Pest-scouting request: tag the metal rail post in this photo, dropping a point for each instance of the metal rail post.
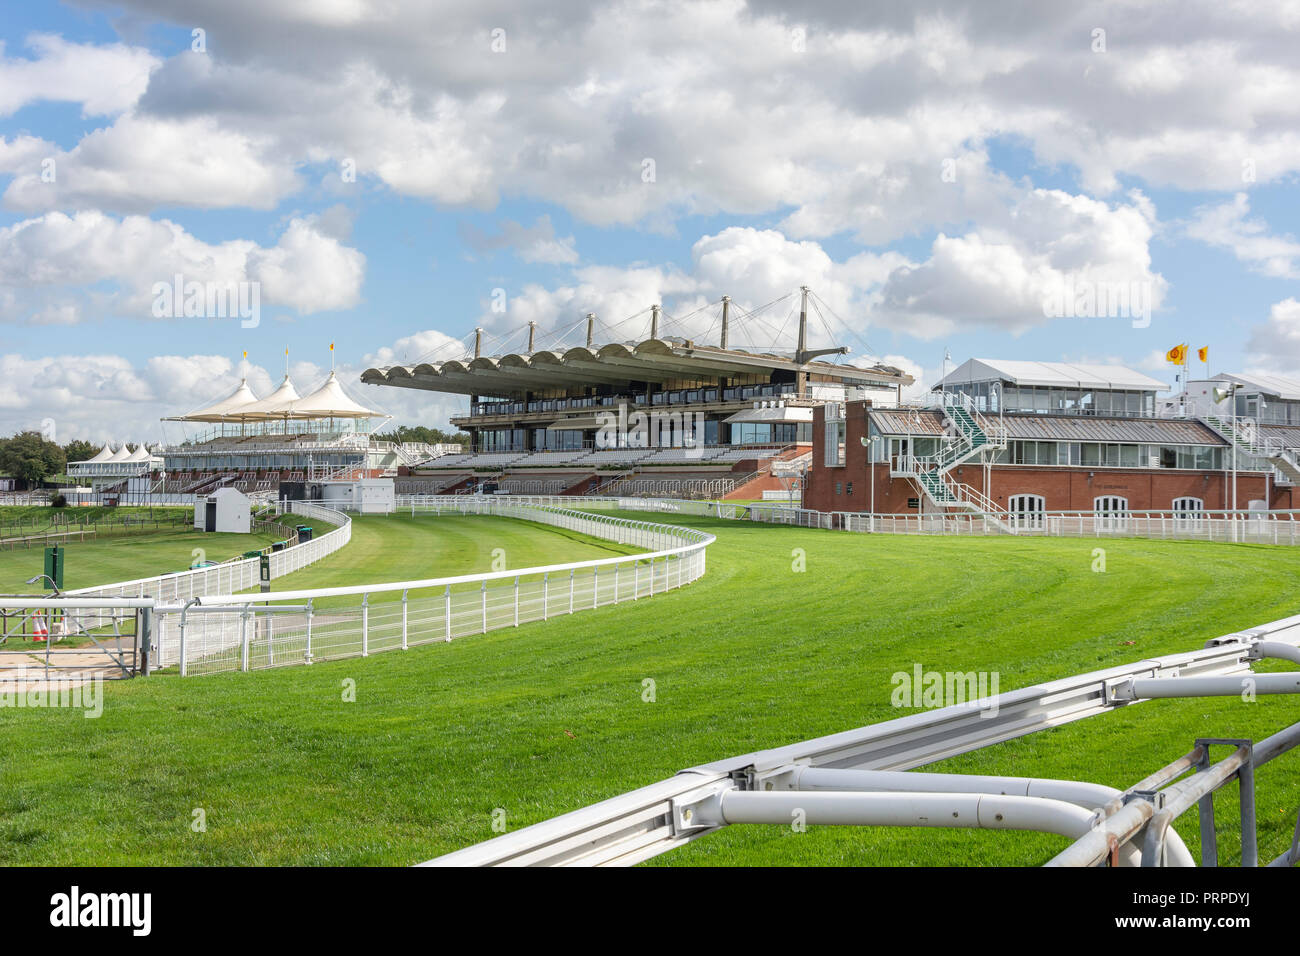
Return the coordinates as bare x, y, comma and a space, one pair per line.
365, 625
404, 593
446, 599
307, 652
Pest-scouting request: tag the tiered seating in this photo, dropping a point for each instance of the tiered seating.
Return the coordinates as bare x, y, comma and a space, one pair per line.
544, 458
642, 485
615, 456
428, 485
533, 486
446, 461
674, 456
741, 453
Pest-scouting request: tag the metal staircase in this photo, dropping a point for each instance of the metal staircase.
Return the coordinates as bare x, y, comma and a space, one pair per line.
970, 434
1242, 433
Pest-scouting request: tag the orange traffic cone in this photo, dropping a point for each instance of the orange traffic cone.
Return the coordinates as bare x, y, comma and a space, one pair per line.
39, 631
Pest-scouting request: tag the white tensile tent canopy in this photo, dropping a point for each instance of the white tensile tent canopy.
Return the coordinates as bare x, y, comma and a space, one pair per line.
228, 409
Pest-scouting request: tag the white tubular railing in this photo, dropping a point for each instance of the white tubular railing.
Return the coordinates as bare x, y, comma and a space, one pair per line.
1245, 526
228, 631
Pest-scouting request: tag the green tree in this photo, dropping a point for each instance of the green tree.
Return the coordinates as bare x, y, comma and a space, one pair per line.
30, 458
433, 436
79, 450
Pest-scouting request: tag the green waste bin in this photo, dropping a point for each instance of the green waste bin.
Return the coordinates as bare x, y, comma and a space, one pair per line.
279, 545
304, 532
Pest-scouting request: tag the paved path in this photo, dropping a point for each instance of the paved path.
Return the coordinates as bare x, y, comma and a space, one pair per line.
24, 669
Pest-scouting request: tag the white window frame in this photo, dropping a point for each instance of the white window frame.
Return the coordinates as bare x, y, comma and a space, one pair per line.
834, 428
1189, 512
1110, 512
1027, 511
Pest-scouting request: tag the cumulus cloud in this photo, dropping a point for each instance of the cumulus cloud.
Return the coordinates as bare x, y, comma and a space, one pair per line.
1226, 226
51, 254
842, 117
103, 79
1275, 344
1052, 248
1050, 245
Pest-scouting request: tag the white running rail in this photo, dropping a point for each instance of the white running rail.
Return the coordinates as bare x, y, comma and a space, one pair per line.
229, 631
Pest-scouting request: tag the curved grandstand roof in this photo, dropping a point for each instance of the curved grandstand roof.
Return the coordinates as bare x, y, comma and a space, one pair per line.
654, 360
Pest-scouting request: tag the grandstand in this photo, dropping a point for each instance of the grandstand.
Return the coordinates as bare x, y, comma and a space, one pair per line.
253, 445
664, 415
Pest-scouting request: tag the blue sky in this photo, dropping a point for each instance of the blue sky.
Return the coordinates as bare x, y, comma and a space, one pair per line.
811, 145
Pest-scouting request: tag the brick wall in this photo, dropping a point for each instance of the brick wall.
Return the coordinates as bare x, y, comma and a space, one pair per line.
1064, 488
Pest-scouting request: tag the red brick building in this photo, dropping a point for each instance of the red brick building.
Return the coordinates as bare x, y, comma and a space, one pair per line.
848, 487
977, 452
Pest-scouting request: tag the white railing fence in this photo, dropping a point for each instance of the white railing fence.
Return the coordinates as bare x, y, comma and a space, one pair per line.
227, 632
237, 575
1241, 526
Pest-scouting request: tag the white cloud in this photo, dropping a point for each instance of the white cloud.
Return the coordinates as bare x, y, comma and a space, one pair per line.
851, 133
1052, 245
56, 253
1275, 344
104, 80
139, 163
1227, 227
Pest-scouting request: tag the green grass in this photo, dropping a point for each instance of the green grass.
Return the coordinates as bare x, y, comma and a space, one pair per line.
126, 558
548, 718
399, 548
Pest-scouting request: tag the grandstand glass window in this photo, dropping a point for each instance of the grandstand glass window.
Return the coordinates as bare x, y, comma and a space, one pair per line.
833, 435
1027, 511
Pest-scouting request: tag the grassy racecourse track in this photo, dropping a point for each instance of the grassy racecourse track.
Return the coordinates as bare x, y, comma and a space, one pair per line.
126, 555
550, 717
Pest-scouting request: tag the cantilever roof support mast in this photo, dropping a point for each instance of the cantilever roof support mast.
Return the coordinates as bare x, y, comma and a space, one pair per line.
654, 321
532, 333
726, 315
802, 353
478, 342
591, 329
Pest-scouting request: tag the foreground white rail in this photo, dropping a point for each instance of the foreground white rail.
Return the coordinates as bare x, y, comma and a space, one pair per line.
229, 631
755, 787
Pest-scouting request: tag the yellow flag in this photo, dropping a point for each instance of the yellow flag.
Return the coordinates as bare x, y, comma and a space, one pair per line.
1177, 355
245, 353
331, 346
1203, 353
